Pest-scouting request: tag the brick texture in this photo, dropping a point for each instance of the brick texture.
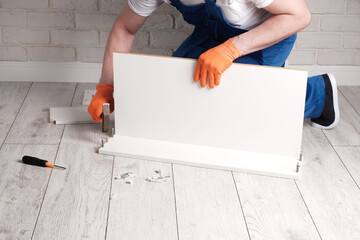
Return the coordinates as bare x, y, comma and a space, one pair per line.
181, 24
159, 21
166, 8
89, 5
51, 54
12, 19
12, 53
20, 35
90, 54
142, 39
339, 58
77, 30
104, 37
302, 58
112, 6
97, 21
340, 24
353, 7
24, 4
167, 39
75, 37
326, 6
318, 40
50, 19
314, 25
352, 41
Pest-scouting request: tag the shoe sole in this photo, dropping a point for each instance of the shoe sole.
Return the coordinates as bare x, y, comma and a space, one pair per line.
335, 104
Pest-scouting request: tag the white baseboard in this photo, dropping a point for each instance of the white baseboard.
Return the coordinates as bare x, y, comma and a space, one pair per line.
90, 72
50, 72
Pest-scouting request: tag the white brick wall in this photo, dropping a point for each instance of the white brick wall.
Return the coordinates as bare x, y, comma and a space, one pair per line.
352, 41
24, 4
112, 6
333, 37
327, 6
338, 57
353, 7
94, 20
77, 30
12, 18
87, 5
340, 24
142, 39
318, 40
103, 37
75, 37
90, 54
51, 54
23, 35
51, 19
170, 39
12, 53
303, 57
158, 21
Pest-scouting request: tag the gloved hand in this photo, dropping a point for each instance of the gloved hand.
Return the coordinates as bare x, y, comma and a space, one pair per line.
212, 63
104, 94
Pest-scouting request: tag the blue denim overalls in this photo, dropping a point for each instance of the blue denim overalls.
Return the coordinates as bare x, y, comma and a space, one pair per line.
212, 29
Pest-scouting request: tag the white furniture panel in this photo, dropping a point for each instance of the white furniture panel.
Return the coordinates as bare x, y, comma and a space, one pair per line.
160, 112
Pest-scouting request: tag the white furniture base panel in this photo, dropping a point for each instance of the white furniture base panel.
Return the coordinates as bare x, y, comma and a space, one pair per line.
252, 122
202, 156
71, 115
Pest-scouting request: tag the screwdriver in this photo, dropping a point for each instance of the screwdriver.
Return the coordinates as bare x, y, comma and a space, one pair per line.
38, 162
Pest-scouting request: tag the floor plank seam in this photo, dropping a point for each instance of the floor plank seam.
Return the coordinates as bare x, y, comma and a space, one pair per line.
176, 215
33, 144
337, 154
12, 124
47, 185
241, 206
42, 202
312, 219
108, 211
349, 102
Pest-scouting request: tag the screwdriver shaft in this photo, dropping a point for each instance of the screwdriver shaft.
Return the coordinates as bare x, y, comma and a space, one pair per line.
59, 166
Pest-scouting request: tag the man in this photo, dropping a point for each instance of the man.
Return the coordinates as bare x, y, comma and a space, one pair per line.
259, 32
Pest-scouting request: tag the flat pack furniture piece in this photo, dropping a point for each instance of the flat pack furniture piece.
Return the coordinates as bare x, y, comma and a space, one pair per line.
75, 115
252, 122
71, 115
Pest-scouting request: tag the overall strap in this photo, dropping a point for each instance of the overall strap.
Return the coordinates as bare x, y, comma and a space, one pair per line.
177, 2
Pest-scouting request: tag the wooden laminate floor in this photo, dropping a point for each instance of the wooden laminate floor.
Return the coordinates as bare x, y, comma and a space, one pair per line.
86, 202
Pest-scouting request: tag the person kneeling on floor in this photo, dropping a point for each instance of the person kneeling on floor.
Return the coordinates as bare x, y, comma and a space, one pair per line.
261, 32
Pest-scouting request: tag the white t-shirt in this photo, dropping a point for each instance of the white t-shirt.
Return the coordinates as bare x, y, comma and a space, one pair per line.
245, 14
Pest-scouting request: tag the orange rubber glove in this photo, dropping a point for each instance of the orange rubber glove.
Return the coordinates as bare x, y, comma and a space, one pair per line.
212, 63
104, 94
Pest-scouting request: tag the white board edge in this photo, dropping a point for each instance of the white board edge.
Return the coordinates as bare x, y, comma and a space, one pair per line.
116, 147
